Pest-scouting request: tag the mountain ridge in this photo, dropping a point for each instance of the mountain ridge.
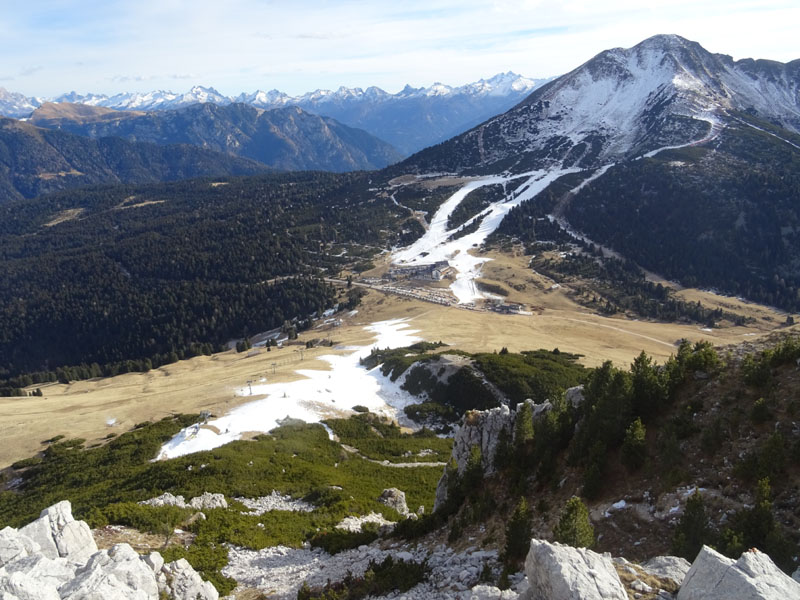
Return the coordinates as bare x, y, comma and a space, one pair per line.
411, 119
35, 161
283, 138
622, 104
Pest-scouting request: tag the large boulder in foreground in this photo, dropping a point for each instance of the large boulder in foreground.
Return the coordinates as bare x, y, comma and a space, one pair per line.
55, 558
58, 535
560, 572
753, 577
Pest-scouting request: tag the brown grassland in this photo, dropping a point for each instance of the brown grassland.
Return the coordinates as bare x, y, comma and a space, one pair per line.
84, 409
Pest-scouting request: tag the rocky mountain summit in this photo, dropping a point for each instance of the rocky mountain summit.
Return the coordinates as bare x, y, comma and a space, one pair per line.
621, 104
55, 558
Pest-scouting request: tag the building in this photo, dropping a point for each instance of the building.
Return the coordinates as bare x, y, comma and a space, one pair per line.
432, 272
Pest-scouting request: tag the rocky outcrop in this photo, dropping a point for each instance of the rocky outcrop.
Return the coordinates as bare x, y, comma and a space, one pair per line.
203, 502
58, 535
396, 499
481, 429
56, 558
559, 572
114, 573
753, 577
181, 582
488, 592
275, 501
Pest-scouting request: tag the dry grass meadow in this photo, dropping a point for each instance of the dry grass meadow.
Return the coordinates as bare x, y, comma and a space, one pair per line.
93, 409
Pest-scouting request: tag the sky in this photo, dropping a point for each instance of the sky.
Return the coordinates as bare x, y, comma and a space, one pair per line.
108, 46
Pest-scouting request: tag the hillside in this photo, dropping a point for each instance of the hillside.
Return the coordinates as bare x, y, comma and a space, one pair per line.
285, 138
35, 161
108, 274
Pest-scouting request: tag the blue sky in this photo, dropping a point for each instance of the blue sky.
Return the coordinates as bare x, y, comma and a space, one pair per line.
53, 46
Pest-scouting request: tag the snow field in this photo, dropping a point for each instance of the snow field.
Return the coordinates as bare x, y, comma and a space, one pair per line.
434, 246
312, 399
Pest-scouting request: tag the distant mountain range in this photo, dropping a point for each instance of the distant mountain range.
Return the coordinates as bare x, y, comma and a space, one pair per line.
35, 161
409, 120
287, 138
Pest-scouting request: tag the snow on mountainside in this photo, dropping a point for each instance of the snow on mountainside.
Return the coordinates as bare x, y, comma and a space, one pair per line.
16, 105
502, 84
410, 119
623, 103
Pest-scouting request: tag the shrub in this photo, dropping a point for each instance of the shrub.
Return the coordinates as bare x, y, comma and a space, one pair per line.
378, 580
338, 540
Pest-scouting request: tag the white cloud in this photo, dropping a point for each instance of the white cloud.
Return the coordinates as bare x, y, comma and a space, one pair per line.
241, 45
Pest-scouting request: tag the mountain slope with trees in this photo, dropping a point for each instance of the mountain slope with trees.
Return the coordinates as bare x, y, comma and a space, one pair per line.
35, 161
285, 138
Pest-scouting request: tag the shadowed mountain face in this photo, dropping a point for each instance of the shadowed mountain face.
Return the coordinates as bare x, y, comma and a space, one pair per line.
285, 138
621, 104
35, 161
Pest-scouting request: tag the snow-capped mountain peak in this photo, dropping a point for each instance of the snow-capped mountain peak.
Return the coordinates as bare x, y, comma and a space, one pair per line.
626, 102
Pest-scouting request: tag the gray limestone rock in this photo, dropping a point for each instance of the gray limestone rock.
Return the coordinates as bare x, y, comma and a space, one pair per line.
488, 592
396, 499
753, 577
481, 429
574, 396
208, 500
559, 572
184, 583
117, 573
59, 535
14, 545
673, 568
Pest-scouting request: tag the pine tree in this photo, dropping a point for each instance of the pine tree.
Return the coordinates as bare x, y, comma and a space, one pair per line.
693, 529
518, 534
574, 527
634, 446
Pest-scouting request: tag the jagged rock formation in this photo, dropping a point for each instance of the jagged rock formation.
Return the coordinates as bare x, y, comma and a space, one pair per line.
55, 558
559, 572
753, 577
484, 429
481, 429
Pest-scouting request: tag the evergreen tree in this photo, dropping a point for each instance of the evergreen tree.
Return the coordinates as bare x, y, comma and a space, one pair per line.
523, 425
518, 534
634, 446
574, 527
693, 529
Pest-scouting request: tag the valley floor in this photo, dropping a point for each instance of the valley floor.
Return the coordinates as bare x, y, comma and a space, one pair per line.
95, 408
